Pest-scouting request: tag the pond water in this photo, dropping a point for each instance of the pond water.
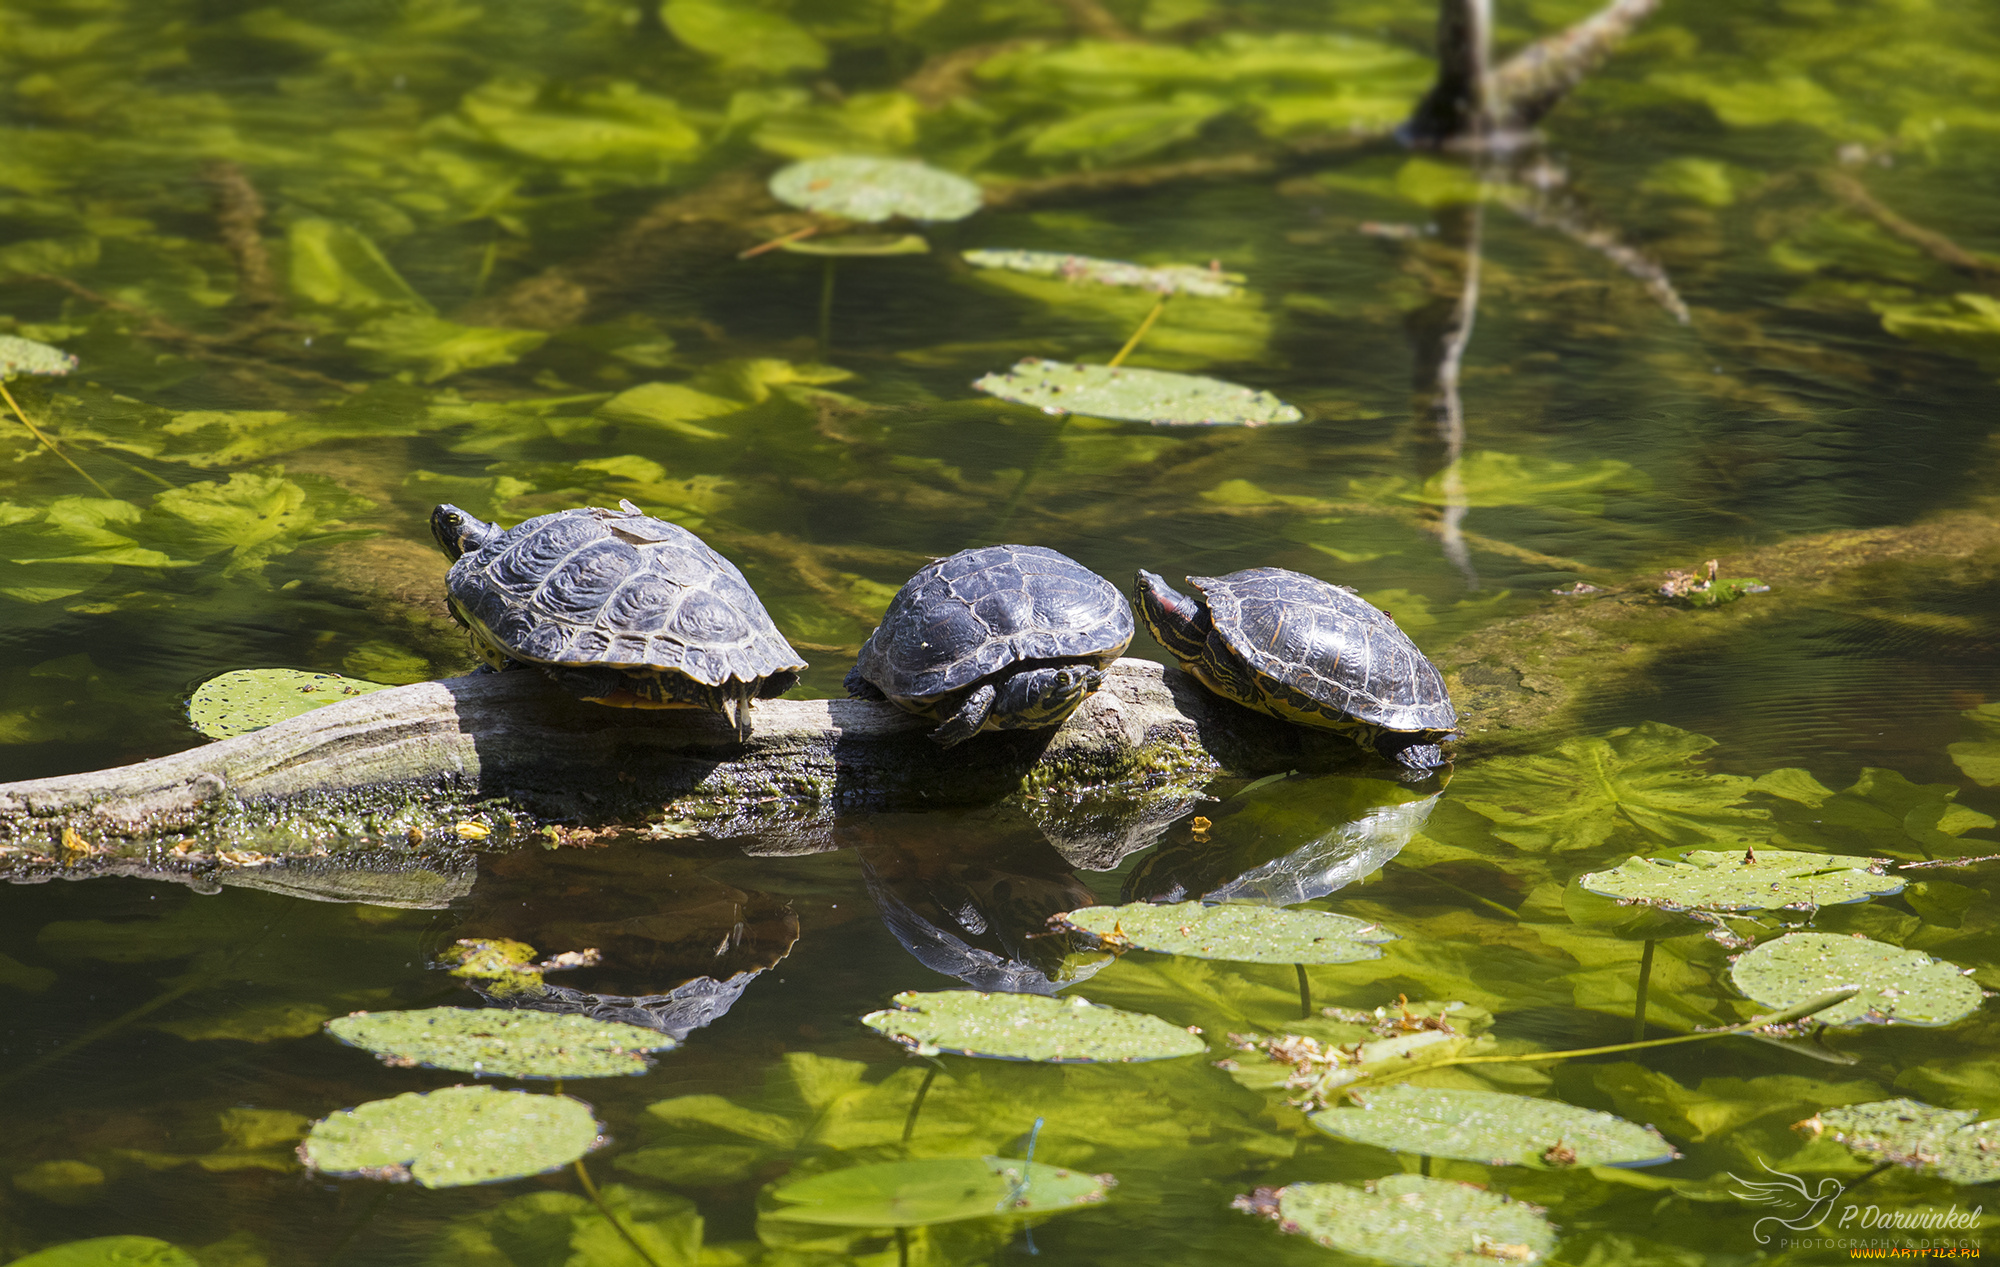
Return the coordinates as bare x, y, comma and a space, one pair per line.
325, 266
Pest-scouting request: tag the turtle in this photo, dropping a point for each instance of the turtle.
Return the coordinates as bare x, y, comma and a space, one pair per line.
1301, 649
618, 607
999, 638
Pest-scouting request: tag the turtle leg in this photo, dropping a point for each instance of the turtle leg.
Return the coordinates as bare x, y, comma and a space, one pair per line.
739, 712
859, 687
1410, 750
1035, 698
968, 721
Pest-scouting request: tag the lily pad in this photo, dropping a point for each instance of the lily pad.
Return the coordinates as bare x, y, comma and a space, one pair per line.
1905, 987
503, 1042
25, 356
1239, 933
1493, 1128
110, 1251
1133, 395
1950, 1143
1410, 1220
243, 700
1164, 279
872, 190
942, 1190
861, 244
1980, 758
452, 1137
1725, 880
1069, 1030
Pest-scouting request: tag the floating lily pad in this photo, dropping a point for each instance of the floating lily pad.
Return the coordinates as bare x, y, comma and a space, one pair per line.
503, 1042
1239, 933
452, 1137
1950, 1143
110, 1251
1727, 880
25, 356
1164, 279
1129, 395
1492, 1127
243, 700
1069, 1030
872, 190
943, 1190
861, 244
1411, 1221
1898, 986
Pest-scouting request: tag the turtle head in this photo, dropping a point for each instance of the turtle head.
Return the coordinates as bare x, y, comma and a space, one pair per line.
1178, 622
458, 533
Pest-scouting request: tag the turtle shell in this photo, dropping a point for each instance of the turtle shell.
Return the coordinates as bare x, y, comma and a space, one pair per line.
617, 589
978, 612
1302, 637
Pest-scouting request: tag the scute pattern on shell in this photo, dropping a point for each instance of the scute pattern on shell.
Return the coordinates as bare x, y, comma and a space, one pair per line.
1327, 643
973, 614
604, 587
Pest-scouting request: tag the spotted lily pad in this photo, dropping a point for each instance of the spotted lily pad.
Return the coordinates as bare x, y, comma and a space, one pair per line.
1411, 1221
1236, 932
503, 1042
1492, 1127
860, 244
452, 1137
940, 1190
1069, 1030
1950, 1143
1164, 279
243, 700
872, 190
1898, 986
1726, 880
1131, 395
25, 356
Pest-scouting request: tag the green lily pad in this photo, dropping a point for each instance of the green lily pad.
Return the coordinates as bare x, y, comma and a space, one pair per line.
503, 1042
1132, 395
110, 1251
1725, 880
861, 244
452, 1137
1236, 932
1905, 987
1950, 1143
243, 700
25, 356
1164, 279
1411, 1221
1493, 1128
942, 1190
1069, 1030
1980, 758
872, 190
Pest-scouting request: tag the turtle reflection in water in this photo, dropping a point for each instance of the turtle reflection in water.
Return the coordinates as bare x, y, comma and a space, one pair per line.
1299, 649
618, 607
1000, 638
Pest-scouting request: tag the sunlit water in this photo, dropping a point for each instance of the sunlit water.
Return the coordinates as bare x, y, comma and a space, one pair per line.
1602, 439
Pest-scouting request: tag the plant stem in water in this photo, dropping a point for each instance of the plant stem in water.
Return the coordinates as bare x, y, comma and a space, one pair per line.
826, 310
1140, 333
366, 1216
36, 432
916, 1105
1645, 979
1305, 993
111, 1026
590, 1189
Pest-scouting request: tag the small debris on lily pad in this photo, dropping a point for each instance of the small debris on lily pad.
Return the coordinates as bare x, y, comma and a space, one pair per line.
502, 1042
1409, 1220
1134, 395
941, 1190
1493, 1128
452, 1137
26, 356
1749, 880
1710, 590
244, 700
1952, 1144
1897, 986
1163, 279
1069, 1030
1235, 932
872, 190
